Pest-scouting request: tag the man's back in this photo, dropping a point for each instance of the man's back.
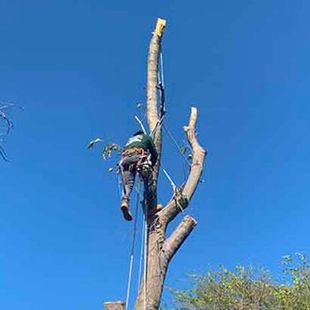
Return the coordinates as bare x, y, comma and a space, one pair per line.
145, 142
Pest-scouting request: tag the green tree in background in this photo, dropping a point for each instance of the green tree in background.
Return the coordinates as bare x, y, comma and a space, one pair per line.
248, 289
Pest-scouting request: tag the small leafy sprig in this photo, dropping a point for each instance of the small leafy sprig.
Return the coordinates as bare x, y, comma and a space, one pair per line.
108, 150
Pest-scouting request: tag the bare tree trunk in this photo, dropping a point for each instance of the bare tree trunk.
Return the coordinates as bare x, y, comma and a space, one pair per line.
162, 248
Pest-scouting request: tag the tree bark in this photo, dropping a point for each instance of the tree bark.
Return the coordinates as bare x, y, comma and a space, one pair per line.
160, 248
115, 305
153, 117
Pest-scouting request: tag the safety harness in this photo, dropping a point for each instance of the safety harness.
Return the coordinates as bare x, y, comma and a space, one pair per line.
144, 164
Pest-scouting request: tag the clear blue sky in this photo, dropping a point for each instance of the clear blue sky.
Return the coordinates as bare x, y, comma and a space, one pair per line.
78, 68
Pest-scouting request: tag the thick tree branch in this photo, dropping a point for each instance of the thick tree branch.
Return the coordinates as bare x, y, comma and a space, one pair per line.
181, 198
198, 156
174, 242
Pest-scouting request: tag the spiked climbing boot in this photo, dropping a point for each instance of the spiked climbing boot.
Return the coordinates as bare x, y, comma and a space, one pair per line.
159, 208
156, 209
125, 209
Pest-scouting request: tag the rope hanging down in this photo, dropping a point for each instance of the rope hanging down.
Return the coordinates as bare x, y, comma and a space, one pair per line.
161, 85
143, 249
132, 249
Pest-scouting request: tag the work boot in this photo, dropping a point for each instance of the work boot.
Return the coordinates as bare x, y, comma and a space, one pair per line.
159, 208
156, 209
125, 210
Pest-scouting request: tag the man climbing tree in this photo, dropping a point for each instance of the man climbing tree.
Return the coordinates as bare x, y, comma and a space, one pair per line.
159, 247
139, 155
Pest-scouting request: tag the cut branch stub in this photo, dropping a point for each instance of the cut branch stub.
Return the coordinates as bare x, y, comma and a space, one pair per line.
115, 305
160, 26
198, 156
179, 235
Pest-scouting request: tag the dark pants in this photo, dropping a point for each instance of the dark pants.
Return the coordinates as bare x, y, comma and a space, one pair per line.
128, 170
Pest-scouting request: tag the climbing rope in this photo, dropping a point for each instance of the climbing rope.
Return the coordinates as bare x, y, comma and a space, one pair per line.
145, 245
141, 255
132, 249
162, 67
143, 248
161, 84
173, 139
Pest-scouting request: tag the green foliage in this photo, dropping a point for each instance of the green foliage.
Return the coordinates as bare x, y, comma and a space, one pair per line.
109, 149
249, 289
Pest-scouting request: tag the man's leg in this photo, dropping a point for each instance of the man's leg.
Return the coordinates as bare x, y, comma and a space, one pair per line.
128, 173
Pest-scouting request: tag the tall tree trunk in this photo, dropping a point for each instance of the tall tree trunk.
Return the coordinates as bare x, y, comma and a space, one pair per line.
161, 248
